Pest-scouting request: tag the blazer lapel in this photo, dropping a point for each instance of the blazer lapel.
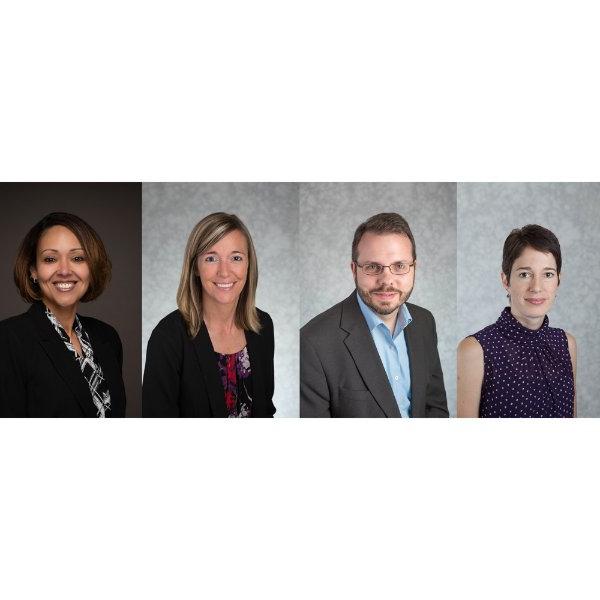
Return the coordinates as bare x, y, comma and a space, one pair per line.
62, 360
210, 372
258, 384
361, 346
418, 360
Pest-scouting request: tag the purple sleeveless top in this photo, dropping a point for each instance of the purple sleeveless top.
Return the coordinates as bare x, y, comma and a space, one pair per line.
526, 373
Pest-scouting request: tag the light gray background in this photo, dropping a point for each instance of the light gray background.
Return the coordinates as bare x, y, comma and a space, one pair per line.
329, 215
487, 212
270, 211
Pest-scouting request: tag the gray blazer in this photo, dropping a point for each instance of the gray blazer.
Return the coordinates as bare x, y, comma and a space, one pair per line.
341, 374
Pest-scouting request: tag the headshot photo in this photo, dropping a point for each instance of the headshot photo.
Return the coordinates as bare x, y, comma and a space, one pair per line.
365, 350
526, 346
70, 330
221, 300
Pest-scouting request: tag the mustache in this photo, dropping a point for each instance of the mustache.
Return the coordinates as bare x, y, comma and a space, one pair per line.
385, 289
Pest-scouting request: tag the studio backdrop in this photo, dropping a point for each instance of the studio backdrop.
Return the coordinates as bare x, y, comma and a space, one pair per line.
329, 215
270, 212
487, 212
114, 211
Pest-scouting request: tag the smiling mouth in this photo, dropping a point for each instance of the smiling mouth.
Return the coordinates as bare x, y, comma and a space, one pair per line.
224, 286
536, 301
64, 286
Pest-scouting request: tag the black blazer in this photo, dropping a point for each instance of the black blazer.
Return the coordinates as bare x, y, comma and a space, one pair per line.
182, 379
39, 376
341, 373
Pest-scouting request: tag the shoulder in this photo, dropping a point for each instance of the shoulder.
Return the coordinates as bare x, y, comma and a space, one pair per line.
419, 313
470, 348
99, 328
572, 343
171, 325
265, 319
324, 322
16, 323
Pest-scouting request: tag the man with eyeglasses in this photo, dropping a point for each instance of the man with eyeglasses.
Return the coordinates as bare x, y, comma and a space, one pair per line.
374, 355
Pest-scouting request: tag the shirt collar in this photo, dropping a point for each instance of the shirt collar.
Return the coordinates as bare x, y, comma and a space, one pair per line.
374, 320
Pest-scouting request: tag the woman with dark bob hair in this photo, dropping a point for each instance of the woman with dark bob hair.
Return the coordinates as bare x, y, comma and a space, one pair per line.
213, 357
519, 366
54, 362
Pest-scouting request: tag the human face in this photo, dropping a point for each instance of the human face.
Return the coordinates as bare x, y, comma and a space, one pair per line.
223, 270
532, 286
384, 293
61, 269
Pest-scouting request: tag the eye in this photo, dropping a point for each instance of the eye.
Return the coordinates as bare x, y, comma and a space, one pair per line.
524, 275
49, 259
237, 258
211, 258
79, 258
549, 274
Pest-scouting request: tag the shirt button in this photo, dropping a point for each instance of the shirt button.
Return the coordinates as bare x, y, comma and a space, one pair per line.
396, 378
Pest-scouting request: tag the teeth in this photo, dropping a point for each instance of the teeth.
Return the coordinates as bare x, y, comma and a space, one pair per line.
224, 285
64, 286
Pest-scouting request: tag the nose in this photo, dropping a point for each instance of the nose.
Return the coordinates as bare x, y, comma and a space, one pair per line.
386, 276
63, 266
535, 284
223, 268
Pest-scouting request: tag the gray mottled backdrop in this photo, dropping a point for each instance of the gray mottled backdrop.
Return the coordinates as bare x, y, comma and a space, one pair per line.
329, 215
270, 211
486, 214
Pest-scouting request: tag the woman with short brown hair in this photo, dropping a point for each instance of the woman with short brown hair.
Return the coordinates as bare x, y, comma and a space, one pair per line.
54, 362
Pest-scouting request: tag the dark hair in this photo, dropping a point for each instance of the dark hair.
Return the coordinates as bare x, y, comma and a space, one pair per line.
380, 224
534, 236
95, 252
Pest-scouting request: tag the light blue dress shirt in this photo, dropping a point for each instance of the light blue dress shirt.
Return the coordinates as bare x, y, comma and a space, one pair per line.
393, 352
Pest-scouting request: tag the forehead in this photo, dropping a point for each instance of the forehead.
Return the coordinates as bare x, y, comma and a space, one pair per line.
392, 247
530, 257
234, 241
58, 236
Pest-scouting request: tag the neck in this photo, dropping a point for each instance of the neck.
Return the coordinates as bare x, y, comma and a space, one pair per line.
529, 322
64, 315
219, 316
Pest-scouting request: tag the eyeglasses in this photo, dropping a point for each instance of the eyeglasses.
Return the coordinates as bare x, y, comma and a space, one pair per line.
398, 268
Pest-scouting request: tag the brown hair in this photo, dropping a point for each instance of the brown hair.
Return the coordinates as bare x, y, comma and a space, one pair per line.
380, 224
206, 234
95, 252
537, 237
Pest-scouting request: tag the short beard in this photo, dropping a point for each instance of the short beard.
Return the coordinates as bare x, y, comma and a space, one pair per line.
366, 298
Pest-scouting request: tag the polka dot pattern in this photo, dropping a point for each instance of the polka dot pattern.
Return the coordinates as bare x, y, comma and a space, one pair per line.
526, 373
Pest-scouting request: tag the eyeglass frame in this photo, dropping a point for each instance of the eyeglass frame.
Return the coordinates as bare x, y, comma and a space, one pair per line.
409, 265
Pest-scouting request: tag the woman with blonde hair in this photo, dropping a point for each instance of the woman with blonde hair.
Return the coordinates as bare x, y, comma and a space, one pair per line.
213, 357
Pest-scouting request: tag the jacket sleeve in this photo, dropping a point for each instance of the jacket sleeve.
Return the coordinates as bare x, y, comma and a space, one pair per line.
314, 391
162, 376
13, 379
437, 405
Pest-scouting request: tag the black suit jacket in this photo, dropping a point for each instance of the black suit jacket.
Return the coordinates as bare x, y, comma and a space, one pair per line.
341, 374
181, 377
39, 376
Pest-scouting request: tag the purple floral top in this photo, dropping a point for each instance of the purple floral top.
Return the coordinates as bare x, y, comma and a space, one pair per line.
237, 382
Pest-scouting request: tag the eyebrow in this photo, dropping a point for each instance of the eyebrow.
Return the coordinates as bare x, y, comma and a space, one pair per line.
530, 269
232, 252
54, 250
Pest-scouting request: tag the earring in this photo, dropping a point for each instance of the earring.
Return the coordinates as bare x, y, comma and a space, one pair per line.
34, 279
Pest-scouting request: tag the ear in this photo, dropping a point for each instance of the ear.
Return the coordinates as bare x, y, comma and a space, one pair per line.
353, 268
33, 273
504, 281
